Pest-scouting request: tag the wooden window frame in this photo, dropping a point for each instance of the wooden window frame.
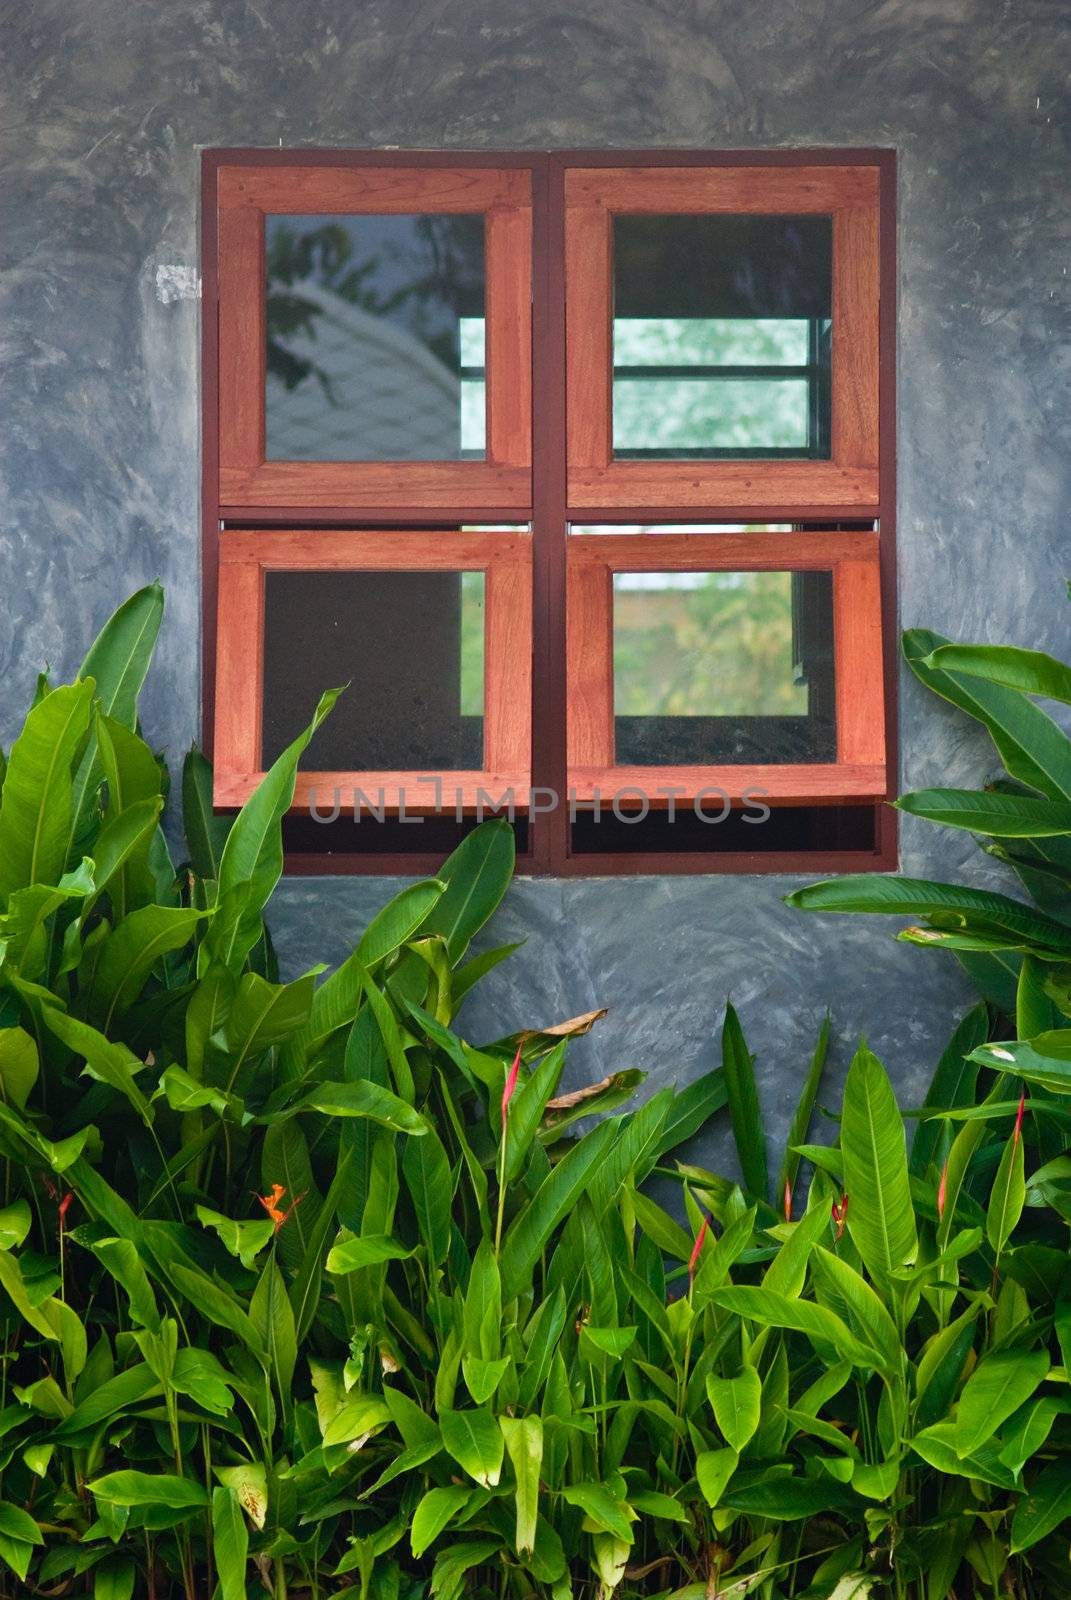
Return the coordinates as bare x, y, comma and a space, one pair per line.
858, 773
550, 507
505, 559
245, 196
848, 194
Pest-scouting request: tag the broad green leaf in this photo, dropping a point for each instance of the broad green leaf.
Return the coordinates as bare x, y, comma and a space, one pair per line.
285, 1160
437, 1509
949, 906
845, 1291
198, 1374
529, 1234
713, 1469
184, 1093
114, 1579
398, 921
476, 876
18, 1066
737, 1403
952, 1085
14, 1224
272, 1316
364, 1099
121, 1258
881, 1218
230, 1543
938, 1446
130, 953
602, 1506
999, 1386
119, 657
244, 1239
429, 1180
357, 1419
112, 1064
116, 1397
252, 860
129, 1488
51, 1318
1046, 1505
475, 1441
744, 1110
18, 1524
1004, 816
36, 808
121, 854
527, 1106
1045, 1060
368, 1251
1031, 745
482, 1378
265, 1014
1028, 671
801, 1120
206, 833
787, 1499
823, 1327
1007, 1196
451, 1565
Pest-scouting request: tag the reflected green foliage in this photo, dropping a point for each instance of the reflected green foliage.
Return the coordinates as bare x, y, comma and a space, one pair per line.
705, 644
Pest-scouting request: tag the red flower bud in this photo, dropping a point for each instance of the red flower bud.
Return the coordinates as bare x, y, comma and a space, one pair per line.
788, 1201
839, 1214
942, 1193
511, 1083
694, 1258
1019, 1119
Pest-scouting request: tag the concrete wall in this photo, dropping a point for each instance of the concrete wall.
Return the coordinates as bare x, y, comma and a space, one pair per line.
106, 104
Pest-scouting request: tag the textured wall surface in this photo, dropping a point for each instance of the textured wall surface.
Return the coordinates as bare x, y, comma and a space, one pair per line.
106, 105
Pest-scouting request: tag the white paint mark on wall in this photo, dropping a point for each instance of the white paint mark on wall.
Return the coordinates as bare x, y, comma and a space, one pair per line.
175, 282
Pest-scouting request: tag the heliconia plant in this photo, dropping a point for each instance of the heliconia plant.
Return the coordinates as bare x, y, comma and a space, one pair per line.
304, 1293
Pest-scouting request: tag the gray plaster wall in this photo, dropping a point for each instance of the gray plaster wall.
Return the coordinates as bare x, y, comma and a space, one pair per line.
104, 108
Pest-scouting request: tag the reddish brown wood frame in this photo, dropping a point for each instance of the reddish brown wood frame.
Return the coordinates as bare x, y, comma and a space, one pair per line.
593, 198
505, 559
246, 194
550, 507
859, 770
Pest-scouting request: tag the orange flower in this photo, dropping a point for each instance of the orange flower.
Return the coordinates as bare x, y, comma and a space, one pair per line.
270, 1202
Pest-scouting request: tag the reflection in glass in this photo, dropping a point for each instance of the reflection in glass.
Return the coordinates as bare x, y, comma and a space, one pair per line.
375, 338
410, 645
713, 667
722, 333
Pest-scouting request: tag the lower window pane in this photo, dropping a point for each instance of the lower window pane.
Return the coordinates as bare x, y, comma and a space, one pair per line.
411, 647
723, 667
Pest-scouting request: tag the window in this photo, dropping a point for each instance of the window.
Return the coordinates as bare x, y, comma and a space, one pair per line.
579, 470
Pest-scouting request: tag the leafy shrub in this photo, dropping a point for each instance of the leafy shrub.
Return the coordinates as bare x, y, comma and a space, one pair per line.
303, 1293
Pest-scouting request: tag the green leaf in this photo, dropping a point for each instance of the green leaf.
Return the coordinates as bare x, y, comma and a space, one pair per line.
476, 876
744, 1110
1028, 671
249, 1480
119, 657
801, 1121
36, 807
429, 1180
114, 1579
206, 833
603, 1507
271, 1314
475, 1441
737, 1403
112, 1064
368, 1251
252, 860
1031, 745
230, 1543
952, 1085
1043, 1508
14, 1224
18, 1524
121, 1259
713, 1469
18, 1066
265, 1014
827, 1332
527, 1107
121, 853
398, 921
198, 1374
881, 1218
1004, 816
244, 1239
937, 1445
437, 1510
787, 1499
130, 953
1007, 1196
128, 1488
529, 1234
1045, 1060
115, 1397
364, 1099
949, 905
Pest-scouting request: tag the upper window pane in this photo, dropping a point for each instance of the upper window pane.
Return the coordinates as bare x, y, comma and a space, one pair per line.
375, 338
722, 334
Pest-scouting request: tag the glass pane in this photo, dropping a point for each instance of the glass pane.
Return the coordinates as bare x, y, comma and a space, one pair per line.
411, 647
722, 333
713, 667
375, 338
